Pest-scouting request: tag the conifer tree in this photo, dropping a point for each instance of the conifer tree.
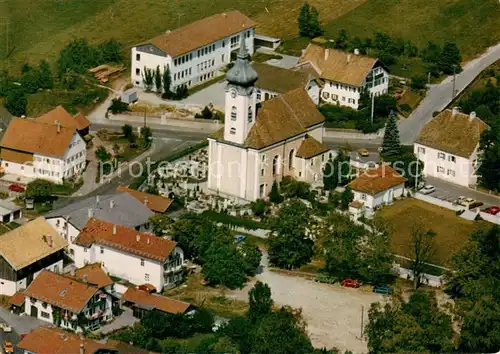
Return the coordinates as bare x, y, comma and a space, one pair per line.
391, 146
275, 196
158, 80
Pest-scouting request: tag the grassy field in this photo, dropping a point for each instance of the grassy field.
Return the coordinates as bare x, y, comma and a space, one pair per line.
451, 231
472, 24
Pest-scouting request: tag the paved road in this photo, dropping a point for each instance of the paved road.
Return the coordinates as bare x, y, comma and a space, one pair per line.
19, 324
439, 96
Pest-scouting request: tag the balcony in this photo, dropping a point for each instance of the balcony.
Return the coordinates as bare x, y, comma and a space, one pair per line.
101, 301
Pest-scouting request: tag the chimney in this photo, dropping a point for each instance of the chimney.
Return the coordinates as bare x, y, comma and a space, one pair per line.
327, 52
111, 204
114, 229
454, 111
147, 240
138, 238
85, 278
49, 240
90, 213
356, 51
472, 115
58, 126
348, 58
82, 349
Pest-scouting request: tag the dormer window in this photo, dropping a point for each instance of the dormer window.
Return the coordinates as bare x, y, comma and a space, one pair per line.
250, 115
233, 113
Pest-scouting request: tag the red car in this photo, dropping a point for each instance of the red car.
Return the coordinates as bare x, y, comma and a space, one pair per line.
350, 283
16, 188
494, 210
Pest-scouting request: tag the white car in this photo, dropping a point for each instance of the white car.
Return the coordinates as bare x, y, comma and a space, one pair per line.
428, 189
5, 327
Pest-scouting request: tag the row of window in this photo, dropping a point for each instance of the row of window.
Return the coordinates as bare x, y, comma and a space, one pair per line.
234, 114
235, 40
345, 87
291, 161
267, 95
77, 142
204, 65
440, 155
326, 95
208, 49
74, 157
449, 172
184, 59
48, 161
380, 81
180, 75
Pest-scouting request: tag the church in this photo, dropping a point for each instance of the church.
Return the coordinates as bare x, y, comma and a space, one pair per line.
264, 142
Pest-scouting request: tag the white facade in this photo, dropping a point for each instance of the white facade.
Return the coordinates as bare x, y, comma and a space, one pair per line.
64, 228
377, 83
98, 309
53, 168
313, 89
190, 68
385, 197
446, 166
135, 269
9, 287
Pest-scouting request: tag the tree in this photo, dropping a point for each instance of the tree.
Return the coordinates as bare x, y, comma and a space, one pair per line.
342, 40
308, 21
167, 81
39, 190
102, 154
16, 102
69, 79
147, 136
110, 51
223, 265
290, 245
346, 198
194, 233
391, 146
260, 302
432, 52
158, 80
489, 158
45, 79
148, 78
259, 207
160, 224
450, 59
418, 82
118, 106
337, 172
274, 196
422, 246
127, 130
252, 256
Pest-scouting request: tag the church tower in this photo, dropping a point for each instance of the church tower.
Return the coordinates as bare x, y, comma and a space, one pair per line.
240, 110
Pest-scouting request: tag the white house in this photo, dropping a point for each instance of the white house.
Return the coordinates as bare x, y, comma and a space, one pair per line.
263, 143
346, 74
195, 52
38, 150
274, 81
63, 300
118, 208
375, 187
448, 146
134, 256
27, 250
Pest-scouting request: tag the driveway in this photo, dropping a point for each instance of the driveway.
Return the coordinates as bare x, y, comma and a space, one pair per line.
332, 313
439, 96
126, 319
19, 324
286, 62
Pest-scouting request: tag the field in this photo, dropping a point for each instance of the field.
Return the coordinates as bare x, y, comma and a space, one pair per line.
473, 24
451, 231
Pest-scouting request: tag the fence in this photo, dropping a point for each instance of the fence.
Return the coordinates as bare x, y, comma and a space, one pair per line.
439, 202
427, 279
351, 134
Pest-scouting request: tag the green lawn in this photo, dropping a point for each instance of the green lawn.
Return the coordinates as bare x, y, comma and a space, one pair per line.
472, 24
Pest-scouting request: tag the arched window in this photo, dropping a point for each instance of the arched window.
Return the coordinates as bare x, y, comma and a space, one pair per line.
250, 115
276, 165
291, 158
233, 113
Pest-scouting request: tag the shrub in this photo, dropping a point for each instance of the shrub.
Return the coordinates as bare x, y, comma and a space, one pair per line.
418, 82
405, 107
117, 106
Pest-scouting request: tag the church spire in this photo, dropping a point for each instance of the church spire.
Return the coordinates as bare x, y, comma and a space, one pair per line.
242, 73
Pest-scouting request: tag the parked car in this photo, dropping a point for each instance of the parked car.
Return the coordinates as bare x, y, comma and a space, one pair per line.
428, 189
363, 152
382, 289
350, 283
325, 278
16, 188
5, 327
8, 347
469, 203
493, 210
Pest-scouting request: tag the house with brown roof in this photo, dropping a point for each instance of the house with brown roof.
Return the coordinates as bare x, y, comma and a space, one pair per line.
345, 74
78, 122
47, 340
26, 251
448, 146
260, 144
142, 301
377, 186
274, 81
67, 301
156, 203
195, 52
129, 254
42, 148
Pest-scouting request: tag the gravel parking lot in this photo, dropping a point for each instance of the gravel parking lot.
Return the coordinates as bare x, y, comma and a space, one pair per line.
332, 313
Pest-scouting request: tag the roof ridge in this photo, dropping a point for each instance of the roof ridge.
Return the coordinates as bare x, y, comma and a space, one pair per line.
290, 108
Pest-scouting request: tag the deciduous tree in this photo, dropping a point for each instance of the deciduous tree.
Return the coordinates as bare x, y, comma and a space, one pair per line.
489, 159
260, 302
223, 265
160, 224
422, 246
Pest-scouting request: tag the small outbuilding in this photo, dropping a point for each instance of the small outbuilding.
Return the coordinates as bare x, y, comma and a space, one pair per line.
129, 96
9, 211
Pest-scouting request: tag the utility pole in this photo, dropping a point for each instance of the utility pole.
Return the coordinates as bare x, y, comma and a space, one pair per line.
373, 97
145, 110
454, 79
429, 78
362, 320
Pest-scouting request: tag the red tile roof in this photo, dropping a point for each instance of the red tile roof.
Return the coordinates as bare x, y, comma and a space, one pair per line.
17, 299
376, 180
155, 203
125, 239
94, 274
155, 301
77, 122
61, 291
